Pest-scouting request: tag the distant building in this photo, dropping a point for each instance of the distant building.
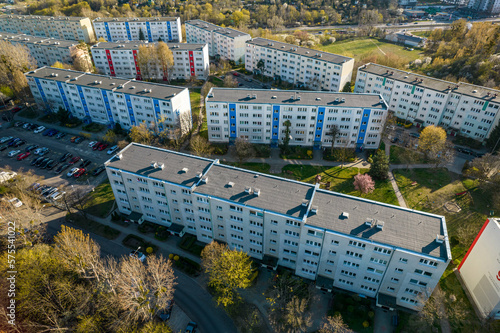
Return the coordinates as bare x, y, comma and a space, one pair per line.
480, 270
62, 27
225, 43
414, 14
491, 7
109, 100
302, 66
120, 59
46, 51
406, 39
408, 3
118, 29
258, 115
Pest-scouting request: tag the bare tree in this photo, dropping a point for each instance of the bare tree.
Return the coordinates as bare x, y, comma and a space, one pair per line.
200, 146
78, 199
335, 324
484, 167
243, 150
165, 58
230, 82
14, 61
332, 133
297, 318
205, 89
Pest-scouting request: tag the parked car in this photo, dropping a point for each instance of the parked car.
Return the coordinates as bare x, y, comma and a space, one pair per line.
415, 135
92, 143
27, 125
51, 165
72, 172
138, 255
65, 157
18, 143
5, 139
16, 202
191, 327
85, 163
42, 161
13, 153
236, 74
44, 164
96, 145
46, 132
60, 135
16, 109
80, 172
31, 147
22, 156
58, 196
33, 127
2, 148
34, 161
53, 132
74, 160
39, 129
49, 191
112, 150
19, 123
78, 140
98, 170
165, 314
61, 168
44, 151
12, 142
102, 146
73, 139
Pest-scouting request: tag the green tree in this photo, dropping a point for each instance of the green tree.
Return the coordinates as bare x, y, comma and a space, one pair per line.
286, 138
347, 87
432, 140
228, 270
141, 134
493, 141
110, 137
379, 165
141, 35
332, 133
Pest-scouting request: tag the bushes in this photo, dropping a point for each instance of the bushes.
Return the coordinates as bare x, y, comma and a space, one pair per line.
263, 151
297, 152
189, 243
469, 142
220, 148
161, 233
340, 154
133, 242
94, 127
187, 265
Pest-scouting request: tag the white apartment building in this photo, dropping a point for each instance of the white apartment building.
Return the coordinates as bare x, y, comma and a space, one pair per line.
120, 59
259, 116
301, 66
62, 27
480, 270
394, 254
460, 108
154, 29
46, 51
492, 7
109, 100
225, 43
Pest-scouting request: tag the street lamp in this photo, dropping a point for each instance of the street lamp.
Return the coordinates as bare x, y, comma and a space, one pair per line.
136, 250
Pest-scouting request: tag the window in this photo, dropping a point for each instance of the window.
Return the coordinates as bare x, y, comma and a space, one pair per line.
350, 264
370, 289
291, 233
399, 270
403, 260
428, 262
350, 283
347, 273
291, 243
354, 254
394, 280
274, 222
312, 243
378, 261
370, 279
357, 244
292, 223
382, 250
334, 242
421, 272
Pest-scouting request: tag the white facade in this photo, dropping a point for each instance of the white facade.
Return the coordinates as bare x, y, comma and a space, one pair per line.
301, 66
480, 270
460, 108
222, 42
46, 51
316, 233
259, 116
492, 7
120, 59
107, 100
118, 29
68, 28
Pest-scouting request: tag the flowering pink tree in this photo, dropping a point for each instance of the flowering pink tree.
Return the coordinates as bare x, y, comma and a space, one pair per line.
364, 183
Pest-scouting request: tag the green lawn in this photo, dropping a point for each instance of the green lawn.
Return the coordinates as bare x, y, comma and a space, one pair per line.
397, 156
195, 96
360, 48
93, 226
101, 200
341, 180
216, 81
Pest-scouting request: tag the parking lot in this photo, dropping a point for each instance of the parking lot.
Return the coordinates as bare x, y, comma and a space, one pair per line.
57, 148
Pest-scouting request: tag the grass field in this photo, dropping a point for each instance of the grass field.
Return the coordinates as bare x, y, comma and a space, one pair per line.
101, 200
397, 157
195, 96
360, 48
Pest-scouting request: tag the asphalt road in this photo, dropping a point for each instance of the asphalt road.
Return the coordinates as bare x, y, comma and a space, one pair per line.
189, 295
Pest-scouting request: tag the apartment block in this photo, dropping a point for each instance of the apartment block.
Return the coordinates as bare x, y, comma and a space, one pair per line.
154, 29
46, 51
301, 66
67, 27
460, 108
492, 7
225, 43
120, 59
259, 116
108, 100
393, 254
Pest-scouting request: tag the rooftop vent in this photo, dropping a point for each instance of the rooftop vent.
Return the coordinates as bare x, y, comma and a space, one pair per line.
54, 74
337, 99
199, 175
230, 184
274, 97
406, 76
120, 156
298, 97
210, 95
440, 239
314, 209
474, 91
256, 176
320, 55
154, 164
249, 96
318, 98
307, 52
342, 100
68, 76
254, 96
132, 87
379, 224
256, 191
248, 190
185, 170
344, 215
369, 222
305, 203
204, 180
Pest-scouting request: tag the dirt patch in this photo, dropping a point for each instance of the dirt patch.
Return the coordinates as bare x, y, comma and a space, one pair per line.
452, 207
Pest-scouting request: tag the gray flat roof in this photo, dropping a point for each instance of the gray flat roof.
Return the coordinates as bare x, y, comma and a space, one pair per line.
411, 38
404, 228
431, 83
28, 39
135, 46
306, 97
134, 19
41, 17
212, 27
412, 230
302, 51
133, 87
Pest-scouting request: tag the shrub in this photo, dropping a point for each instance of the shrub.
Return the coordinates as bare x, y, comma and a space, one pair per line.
220, 148
350, 309
176, 258
263, 151
371, 314
366, 324
171, 256
149, 250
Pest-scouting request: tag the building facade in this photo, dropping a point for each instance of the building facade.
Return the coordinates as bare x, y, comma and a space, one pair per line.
460, 108
480, 270
110, 101
67, 27
225, 43
390, 253
46, 51
406, 38
120, 59
259, 116
492, 7
301, 66
154, 29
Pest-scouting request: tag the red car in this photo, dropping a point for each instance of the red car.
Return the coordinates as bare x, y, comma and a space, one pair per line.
96, 145
79, 173
74, 160
22, 156
236, 74
102, 146
16, 109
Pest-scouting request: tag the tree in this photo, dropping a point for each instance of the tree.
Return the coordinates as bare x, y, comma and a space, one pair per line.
432, 140
205, 89
165, 58
141, 134
493, 141
364, 183
333, 132
58, 64
297, 318
141, 34
230, 82
147, 61
286, 137
261, 66
110, 137
228, 270
200, 146
484, 167
379, 165
347, 87
15, 60
243, 150
77, 199
335, 324
81, 59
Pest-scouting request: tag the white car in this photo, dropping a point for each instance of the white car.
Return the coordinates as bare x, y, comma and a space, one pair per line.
6, 138
16, 202
39, 129
14, 153
112, 150
58, 196
72, 172
91, 144
138, 255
